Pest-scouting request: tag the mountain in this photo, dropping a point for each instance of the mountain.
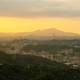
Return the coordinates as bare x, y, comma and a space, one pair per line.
46, 34
52, 33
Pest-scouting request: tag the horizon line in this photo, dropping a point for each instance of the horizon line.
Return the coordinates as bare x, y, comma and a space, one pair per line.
38, 30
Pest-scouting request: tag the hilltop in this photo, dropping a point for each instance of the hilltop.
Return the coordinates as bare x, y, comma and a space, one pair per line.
46, 34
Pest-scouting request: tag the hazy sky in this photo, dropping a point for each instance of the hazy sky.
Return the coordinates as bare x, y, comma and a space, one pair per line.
29, 15
39, 8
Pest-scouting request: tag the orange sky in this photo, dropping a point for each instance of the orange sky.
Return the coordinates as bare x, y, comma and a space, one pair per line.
10, 24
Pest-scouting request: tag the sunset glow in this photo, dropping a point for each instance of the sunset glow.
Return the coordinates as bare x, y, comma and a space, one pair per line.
11, 24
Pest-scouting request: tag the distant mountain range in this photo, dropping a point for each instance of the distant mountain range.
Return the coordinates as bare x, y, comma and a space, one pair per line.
45, 34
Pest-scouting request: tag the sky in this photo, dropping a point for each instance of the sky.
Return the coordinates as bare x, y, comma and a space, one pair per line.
31, 15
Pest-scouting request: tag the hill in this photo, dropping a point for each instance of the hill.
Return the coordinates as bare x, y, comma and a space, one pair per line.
52, 33
20, 59
34, 68
46, 34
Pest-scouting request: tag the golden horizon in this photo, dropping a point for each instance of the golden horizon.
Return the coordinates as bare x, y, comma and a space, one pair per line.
15, 24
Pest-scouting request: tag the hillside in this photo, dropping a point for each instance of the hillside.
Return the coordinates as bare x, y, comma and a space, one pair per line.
19, 59
21, 67
35, 68
52, 33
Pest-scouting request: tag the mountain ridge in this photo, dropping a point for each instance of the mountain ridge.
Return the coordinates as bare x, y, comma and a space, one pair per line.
50, 33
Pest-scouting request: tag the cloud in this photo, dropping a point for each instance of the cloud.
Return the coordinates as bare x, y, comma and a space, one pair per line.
24, 8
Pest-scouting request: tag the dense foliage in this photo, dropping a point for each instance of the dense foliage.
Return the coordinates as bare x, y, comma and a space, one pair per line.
37, 72
20, 67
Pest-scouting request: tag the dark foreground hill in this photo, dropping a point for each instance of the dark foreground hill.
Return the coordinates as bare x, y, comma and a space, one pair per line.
37, 72
20, 59
20, 67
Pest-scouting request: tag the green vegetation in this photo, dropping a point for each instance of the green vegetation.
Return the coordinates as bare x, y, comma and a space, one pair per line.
37, 72
53, 46
32, 67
